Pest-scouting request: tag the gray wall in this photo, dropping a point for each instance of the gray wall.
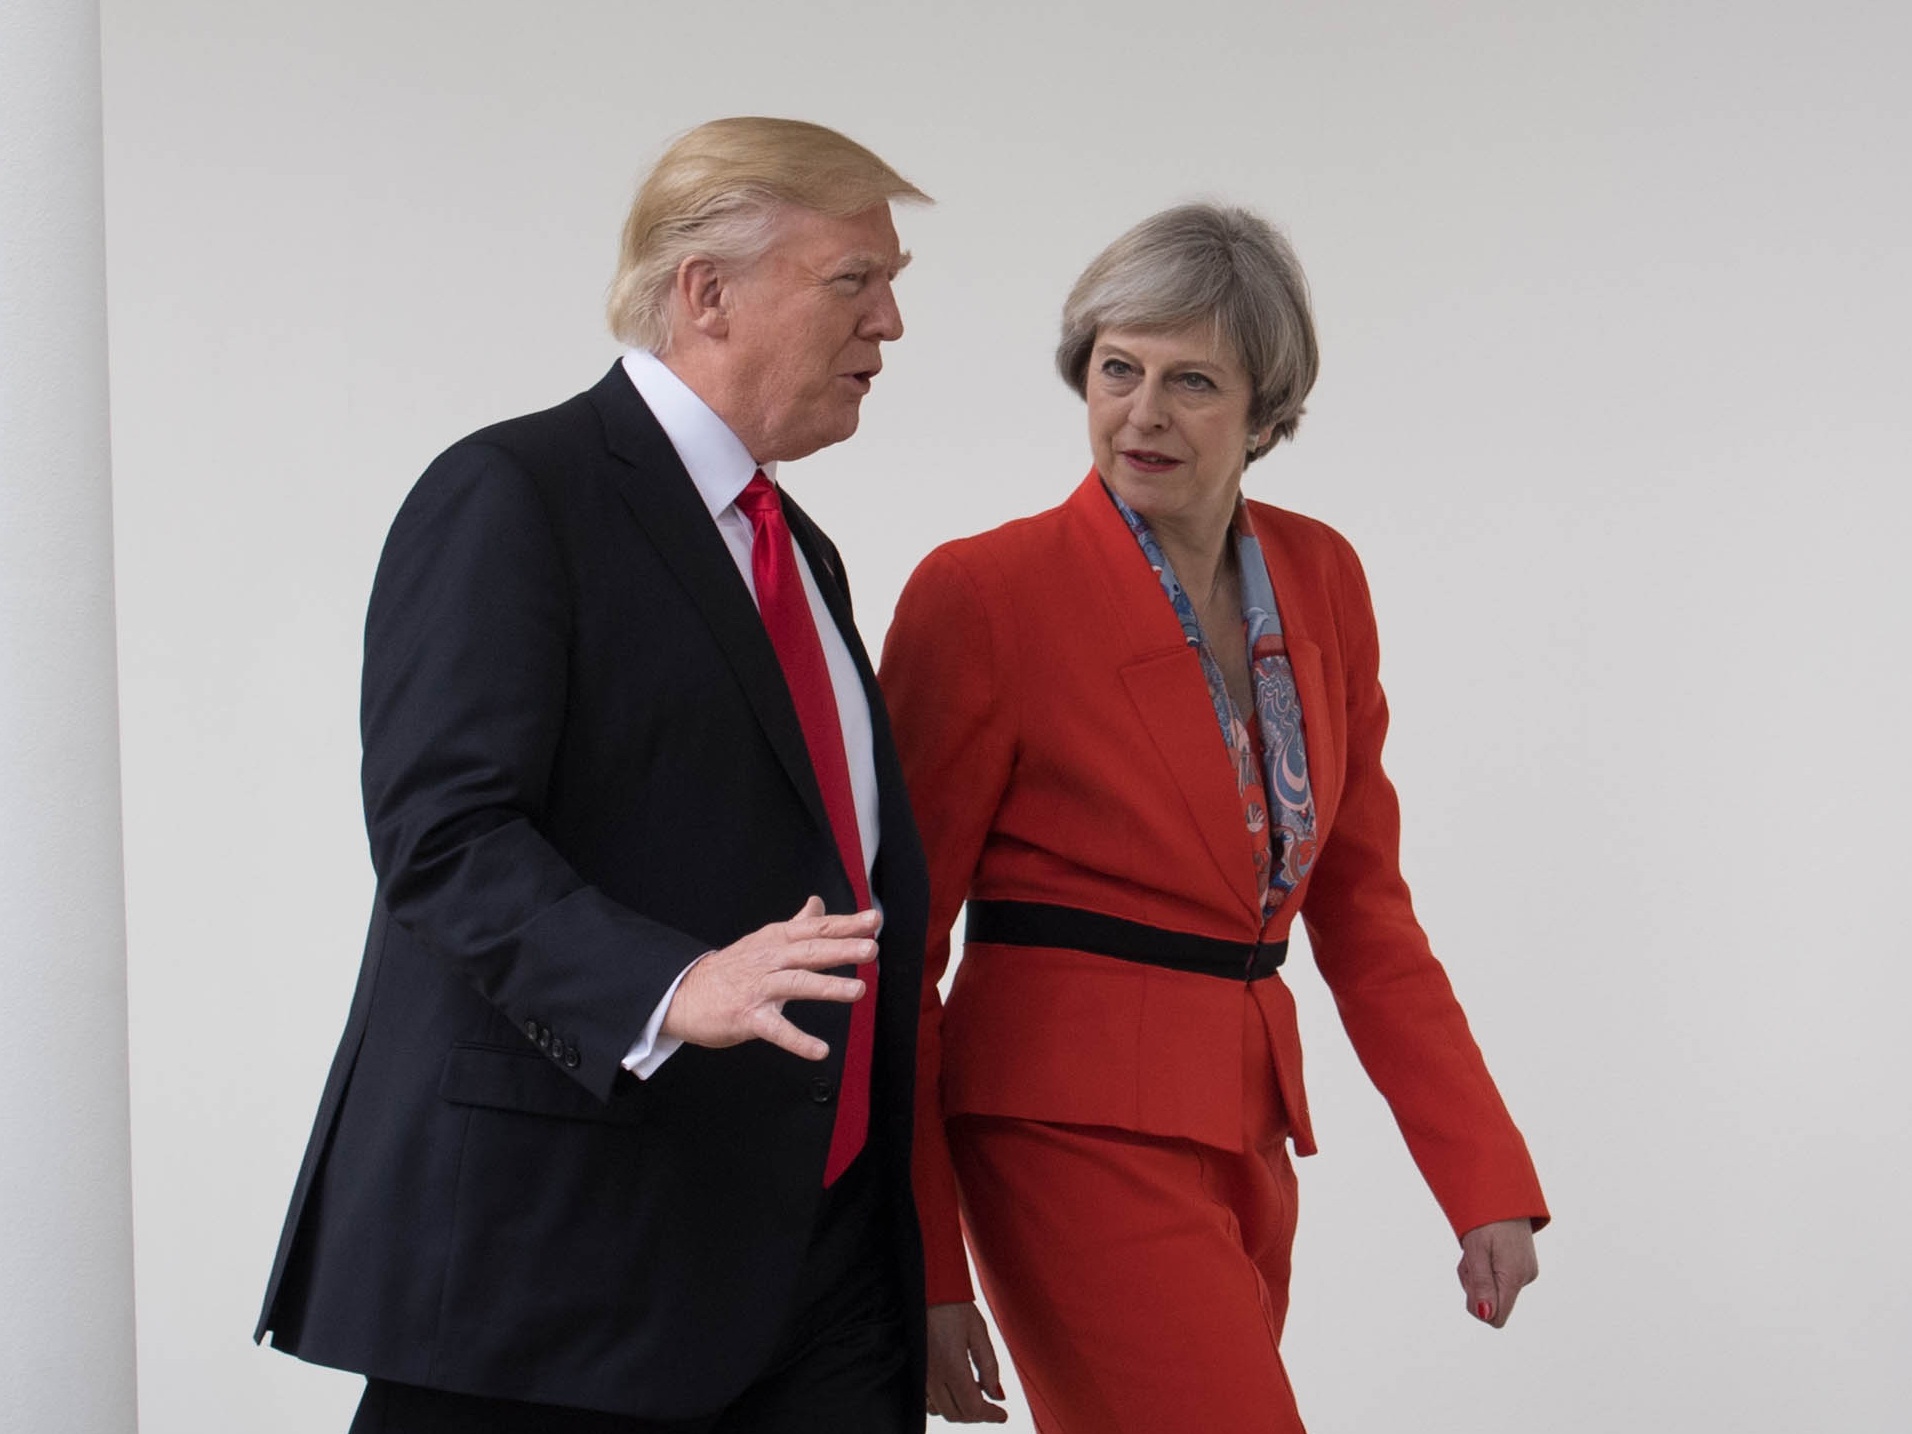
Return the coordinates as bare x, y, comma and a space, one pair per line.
1614, 312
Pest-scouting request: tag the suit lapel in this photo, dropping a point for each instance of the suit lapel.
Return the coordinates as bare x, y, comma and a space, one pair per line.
660, 495
893, 808
1164, 681
836, 594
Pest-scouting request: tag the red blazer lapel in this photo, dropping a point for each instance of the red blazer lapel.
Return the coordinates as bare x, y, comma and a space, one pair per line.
1163, 678
1306, 624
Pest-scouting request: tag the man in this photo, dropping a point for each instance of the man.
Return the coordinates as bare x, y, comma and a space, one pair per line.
578, 1165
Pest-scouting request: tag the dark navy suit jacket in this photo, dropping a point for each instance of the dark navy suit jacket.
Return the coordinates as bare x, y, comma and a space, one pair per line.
582, 769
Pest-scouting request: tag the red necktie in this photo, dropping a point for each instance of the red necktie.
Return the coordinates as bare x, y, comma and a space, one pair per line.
793, 633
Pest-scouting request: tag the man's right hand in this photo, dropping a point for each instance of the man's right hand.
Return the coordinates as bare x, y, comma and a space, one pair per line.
737, 994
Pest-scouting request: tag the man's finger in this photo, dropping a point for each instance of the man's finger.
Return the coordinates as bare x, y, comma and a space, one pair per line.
795, 985
819, 954
781, 1032
828, 928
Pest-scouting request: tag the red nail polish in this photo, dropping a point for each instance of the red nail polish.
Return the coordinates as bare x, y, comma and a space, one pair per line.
1484, 1310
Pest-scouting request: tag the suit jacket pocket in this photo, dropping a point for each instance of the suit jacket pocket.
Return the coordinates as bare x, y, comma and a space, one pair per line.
500, 1078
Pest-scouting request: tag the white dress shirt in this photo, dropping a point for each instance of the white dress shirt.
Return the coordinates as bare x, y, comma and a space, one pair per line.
721, 467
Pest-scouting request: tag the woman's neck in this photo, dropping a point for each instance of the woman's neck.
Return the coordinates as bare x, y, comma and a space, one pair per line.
1197, 547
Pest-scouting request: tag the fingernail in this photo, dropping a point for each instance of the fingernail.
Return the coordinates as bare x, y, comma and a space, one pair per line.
1483, 1310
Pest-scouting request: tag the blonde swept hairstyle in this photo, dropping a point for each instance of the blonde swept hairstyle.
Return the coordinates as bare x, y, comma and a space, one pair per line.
1205, 264
716, 193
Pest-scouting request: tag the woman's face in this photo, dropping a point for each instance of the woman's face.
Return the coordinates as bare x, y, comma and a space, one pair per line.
1168, 422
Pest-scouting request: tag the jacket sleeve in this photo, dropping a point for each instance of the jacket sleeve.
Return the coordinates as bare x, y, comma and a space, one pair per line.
463, 707
1393, 996
946, 670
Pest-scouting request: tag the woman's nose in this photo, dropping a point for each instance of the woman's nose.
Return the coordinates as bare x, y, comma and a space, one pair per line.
1146, 408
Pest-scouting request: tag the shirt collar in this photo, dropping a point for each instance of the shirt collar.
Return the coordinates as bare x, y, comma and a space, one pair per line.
716, 459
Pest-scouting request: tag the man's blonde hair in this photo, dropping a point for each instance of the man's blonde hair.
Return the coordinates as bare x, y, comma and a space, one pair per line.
716, 193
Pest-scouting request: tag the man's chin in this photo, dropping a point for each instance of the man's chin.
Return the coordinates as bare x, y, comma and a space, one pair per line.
822, 436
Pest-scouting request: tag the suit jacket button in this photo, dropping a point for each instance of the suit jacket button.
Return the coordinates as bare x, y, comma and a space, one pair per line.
544, 1038
531, 1031
571, 1058
821, 1091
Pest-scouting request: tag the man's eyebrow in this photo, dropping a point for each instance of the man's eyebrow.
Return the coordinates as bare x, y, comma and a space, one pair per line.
866, 262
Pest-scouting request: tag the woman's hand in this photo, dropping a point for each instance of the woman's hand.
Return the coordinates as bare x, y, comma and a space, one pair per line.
958, 1340
1496, 1261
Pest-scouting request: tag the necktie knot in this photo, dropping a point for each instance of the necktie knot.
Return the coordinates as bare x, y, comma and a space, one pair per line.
759, 499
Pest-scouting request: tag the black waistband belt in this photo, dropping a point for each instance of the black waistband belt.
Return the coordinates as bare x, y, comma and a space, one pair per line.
1036, 923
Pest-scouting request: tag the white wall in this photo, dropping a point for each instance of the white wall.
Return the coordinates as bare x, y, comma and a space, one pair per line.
1614, 312
66, 1216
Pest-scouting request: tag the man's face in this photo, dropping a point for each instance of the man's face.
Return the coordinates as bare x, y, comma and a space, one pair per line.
805, 325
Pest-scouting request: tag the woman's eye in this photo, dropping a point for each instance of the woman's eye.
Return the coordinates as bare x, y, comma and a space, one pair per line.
1115, 368
1199, 381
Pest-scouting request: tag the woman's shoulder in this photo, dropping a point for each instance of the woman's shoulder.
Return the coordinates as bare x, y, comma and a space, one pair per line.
1297, 528
994, 559
1307, 541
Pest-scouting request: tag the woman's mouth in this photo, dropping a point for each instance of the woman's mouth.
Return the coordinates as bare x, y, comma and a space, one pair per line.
1147, 461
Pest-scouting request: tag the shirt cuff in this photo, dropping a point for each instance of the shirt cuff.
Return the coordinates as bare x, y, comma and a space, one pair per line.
653, 1047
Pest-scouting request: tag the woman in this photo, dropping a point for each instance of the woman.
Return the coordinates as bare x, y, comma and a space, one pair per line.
1142, 733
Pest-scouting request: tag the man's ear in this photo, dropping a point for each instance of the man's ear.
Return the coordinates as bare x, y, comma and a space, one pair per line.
702, 296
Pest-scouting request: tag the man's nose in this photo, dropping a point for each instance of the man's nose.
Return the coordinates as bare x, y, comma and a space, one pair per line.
885, 320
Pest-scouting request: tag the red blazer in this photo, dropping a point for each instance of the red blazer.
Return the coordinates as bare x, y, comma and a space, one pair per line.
1059, 746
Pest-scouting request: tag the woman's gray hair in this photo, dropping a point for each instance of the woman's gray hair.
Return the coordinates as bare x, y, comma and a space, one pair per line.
1204, 263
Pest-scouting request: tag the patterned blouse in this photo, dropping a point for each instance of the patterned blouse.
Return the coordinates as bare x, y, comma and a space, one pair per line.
1278, 781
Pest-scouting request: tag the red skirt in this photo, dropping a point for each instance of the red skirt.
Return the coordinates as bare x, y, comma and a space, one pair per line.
1140, 1281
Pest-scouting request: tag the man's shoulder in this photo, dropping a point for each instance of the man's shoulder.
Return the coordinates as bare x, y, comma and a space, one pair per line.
512, 470
537, 440
553, 450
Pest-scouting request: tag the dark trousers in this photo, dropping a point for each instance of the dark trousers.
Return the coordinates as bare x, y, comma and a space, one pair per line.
838, 1369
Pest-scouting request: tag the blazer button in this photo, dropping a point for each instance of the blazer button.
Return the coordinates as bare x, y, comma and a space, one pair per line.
571, 1058
821, 1091
544, 1038
531, 1031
